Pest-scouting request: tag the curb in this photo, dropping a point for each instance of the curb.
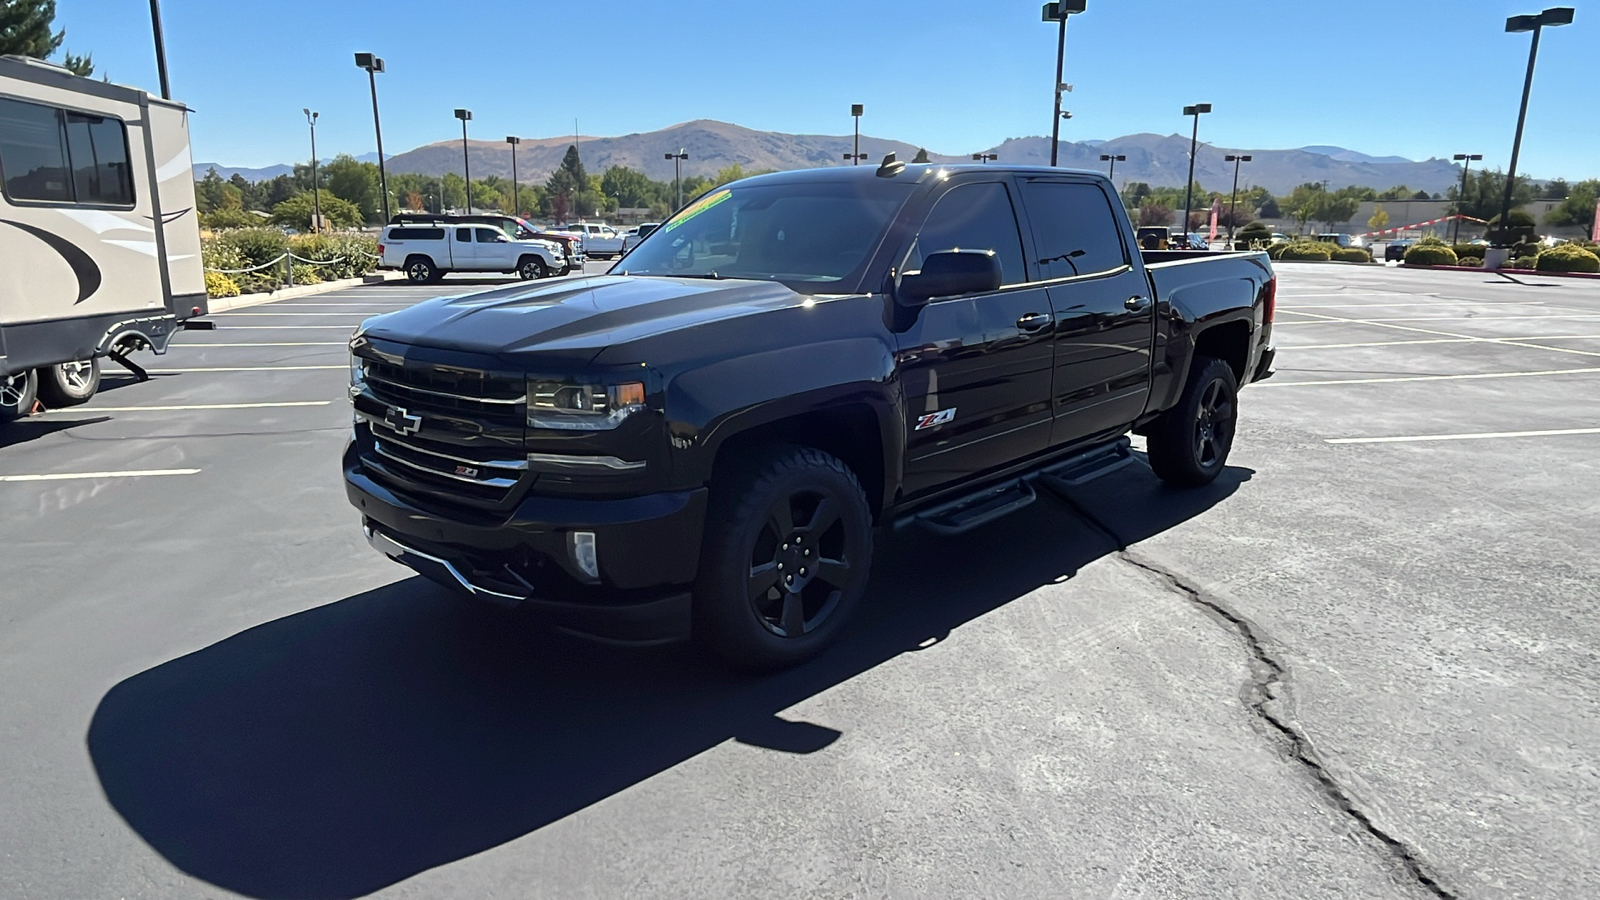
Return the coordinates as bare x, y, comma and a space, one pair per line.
224, 304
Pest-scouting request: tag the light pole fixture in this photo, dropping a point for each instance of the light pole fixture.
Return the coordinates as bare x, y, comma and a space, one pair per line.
465, 115
1106, 157
161, 48
316, 191
1233, 205
516, 208
1058, 13
677, 173
985, 157
856, 110
1197, 110
374, 65
1557, 15
1466, 160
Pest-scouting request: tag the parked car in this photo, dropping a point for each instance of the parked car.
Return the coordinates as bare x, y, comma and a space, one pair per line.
632, 238
1395, 251
600, 241
515, 227
706, 444
1342, 240
427, 253
1154, 237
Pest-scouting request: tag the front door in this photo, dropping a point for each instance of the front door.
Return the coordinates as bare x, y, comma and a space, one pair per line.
976, 369
494, 249
1104, 317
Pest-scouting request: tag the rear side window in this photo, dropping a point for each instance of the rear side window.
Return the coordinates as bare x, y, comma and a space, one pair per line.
973, 217
416, 234
1074, 229
463, 235
52, 155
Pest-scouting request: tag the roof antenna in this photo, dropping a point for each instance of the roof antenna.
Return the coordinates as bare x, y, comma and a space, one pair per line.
890, 167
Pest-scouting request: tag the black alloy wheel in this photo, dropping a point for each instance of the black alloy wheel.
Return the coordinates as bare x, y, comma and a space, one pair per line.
786, 558
421, 271
1189, 444
532, 269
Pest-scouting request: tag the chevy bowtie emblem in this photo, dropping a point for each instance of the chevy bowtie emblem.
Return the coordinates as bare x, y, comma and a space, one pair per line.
401, 421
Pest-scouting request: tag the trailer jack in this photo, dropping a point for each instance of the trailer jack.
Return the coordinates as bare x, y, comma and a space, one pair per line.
120, 357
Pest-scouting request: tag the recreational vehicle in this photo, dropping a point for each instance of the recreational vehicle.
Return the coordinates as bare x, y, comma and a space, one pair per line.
99, 241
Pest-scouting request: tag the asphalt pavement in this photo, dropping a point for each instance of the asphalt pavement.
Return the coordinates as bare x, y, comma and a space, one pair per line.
1361, 665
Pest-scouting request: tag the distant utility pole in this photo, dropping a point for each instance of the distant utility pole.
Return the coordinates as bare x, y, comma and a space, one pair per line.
856, 109
677, 173
1233, 205
465, 115
516, 208
1106, 157
1466, 159
316, 192
1058, 12
374, 65
1197, 110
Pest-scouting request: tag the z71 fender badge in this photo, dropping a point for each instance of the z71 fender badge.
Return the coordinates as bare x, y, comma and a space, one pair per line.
934, 419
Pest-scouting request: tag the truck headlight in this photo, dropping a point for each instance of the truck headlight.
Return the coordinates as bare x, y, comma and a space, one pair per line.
570, 406
358, 375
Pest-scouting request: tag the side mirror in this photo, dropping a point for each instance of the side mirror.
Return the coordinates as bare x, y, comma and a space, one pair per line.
951, 274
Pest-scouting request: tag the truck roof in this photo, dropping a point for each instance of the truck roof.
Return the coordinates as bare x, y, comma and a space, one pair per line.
913, 173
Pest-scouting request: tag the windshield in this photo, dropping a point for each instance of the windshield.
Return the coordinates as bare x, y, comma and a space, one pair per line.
809, 235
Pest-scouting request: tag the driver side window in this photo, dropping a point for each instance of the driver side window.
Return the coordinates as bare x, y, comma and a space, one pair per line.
973, 217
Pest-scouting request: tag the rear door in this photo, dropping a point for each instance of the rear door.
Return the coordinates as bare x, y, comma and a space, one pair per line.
1104, 315
977, 368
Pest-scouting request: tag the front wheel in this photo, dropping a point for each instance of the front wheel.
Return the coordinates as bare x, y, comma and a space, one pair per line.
787, 554
532, 269
1189, 444
69, 383
17, 393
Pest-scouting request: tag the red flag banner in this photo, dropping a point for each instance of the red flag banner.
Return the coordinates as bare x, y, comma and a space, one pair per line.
1216, 211
1596, 235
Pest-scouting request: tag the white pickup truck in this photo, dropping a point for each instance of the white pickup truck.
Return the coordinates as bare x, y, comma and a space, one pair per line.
429, 252
600, 241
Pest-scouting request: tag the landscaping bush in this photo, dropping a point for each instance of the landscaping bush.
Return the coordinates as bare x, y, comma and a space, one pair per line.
257, 245
1464, 250
1430, 252
229, 218
1470, 262
1307, 250
1474, 258
351, 254
218, 285
1568, 258
306, 275
1526, 262
1352, 254
1254, 233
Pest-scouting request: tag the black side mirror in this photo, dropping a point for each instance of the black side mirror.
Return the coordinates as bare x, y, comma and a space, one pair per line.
951, 274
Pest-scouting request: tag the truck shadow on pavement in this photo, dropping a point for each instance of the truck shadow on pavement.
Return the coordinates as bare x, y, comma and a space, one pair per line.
334, 752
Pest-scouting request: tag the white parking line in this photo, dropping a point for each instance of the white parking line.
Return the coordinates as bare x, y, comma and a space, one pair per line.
1507, 341
350, 328
1463, 340
69, 476
1464, 437
83, 409
345, 367
269, 344
256, 315
1279, 384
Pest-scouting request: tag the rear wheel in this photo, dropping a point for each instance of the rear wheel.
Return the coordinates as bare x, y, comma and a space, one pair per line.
1189, 444
421, 271
69, 383
786, 558
17, 393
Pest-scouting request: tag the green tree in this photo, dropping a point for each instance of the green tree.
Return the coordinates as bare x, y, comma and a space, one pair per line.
453, 190
25, 28
1152, 213
1398, 192
1270, 209
1577, 210
632, 188
208, 191
729, 173
1556, 189
296, 211
1486, 192
356, 183
79, 65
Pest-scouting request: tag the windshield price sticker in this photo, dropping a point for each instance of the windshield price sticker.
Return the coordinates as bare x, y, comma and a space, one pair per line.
698, 207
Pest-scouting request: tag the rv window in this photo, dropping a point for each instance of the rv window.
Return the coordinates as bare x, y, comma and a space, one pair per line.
98, 148
33, 156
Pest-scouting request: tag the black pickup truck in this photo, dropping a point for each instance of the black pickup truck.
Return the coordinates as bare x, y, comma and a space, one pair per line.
705, 441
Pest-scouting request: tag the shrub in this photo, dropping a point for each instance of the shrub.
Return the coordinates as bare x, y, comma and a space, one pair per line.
218, 285
1526, 262
1430, 252
229, 218
1568, 258
258, 246
307, 275
1470, 262
1307, 250
1255, 232
1467, 250
1352, 254
228, 251
351, 255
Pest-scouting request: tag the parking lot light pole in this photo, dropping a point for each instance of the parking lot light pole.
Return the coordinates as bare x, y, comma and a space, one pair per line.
1466, 160
516, 208
677, 173
465, 115
1558, 15
1106, 157
316, 192
1233, 205
985, 157
374, 65
1058, 13
1197, 110
856, 110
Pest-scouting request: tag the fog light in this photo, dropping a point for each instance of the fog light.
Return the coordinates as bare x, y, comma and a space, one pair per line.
585, 554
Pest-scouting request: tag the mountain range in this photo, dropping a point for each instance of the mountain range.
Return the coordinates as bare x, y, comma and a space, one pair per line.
1160, 160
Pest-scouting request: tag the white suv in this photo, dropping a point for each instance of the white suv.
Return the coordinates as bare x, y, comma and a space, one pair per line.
429, 252
599, 240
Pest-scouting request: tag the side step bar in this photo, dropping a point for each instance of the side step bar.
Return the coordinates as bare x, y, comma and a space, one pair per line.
999, 500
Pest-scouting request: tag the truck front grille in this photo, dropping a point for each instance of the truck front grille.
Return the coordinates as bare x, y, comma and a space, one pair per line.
448, 389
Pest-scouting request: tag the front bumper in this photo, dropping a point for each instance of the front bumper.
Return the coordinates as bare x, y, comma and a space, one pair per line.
648, 550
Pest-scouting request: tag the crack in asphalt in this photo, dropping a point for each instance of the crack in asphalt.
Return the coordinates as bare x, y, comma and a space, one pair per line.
1270, 683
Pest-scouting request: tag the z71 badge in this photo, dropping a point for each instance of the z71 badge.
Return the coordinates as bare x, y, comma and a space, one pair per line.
934, 419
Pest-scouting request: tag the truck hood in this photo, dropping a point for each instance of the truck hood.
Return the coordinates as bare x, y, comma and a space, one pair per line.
577, 318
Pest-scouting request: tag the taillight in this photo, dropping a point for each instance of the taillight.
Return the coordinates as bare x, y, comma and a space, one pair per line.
1269, 298
380, 249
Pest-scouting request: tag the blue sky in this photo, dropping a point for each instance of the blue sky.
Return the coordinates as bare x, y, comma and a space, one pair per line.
1415, 78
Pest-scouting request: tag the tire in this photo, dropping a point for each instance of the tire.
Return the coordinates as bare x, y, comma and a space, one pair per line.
760, 519
1189, 444
17, 393
532, 268
421, 270
69, 384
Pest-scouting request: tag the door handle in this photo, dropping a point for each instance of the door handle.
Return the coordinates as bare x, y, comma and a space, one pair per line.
1136, 304
1034, 322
